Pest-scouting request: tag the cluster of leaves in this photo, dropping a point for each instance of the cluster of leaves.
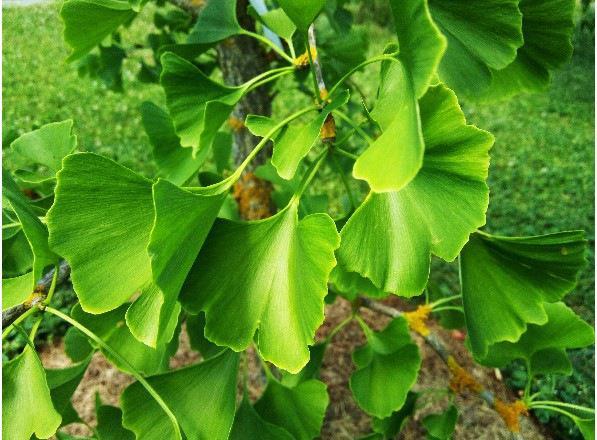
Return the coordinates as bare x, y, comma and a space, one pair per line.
147, 255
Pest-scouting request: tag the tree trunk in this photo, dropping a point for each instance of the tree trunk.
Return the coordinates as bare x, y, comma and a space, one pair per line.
242, 58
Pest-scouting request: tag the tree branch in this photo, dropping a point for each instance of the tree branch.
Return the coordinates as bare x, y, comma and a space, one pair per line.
38, 295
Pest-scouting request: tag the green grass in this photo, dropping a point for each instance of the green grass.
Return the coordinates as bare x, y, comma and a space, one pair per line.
542, 166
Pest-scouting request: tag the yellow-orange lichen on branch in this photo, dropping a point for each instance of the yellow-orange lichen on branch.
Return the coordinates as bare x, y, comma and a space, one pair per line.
511, 412
235, 123
417, 320
328, 130
461, 379
302, 60
253, 196
197, 3
36, 297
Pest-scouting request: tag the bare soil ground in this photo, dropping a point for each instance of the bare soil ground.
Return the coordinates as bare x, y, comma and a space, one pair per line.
344, 420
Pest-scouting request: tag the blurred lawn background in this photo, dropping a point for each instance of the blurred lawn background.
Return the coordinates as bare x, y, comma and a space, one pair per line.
542, 164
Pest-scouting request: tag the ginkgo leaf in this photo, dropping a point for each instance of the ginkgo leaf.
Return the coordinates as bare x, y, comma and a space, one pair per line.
109, 424
387, 367
175, 163
196, 331
299, 410
88, 22
543, 347
63, 383
441, 426
111, 328
269, 275
279, 22
506, 282
393, 159
482, 35
45, 147
182, 222
27, 407
391, 426
202, 397
216, 22
310, 371
16, 290
35, 231
100, 223
547, 26
421, 44
248, 424
294, 142
302, 12
198, 105
352, 284
435, 213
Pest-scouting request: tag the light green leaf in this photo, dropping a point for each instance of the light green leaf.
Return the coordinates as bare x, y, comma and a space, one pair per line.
63, 383
249, 425
393, 159
302, 12
16, 290
76, 345
198, 106
547, 26
44, 150
387, 368
182, 222
294, 142
441, 426
421, 44
352, 284
35, 231
482, 35
174, 162
88, 22
435, 213
269, 275
586, 427
311, 370
279, 22
17, 257
100, 222
543, 347
111, 328
299, 410
27, 407
202, 397
216, 22
507, 280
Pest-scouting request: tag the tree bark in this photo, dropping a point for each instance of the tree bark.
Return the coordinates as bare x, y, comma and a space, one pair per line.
242, 58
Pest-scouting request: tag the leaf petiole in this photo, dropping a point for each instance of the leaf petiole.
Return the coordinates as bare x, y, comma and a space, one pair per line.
309, 175
117, 356
267, 42
354, 125
444, 300
384, 57
562, 404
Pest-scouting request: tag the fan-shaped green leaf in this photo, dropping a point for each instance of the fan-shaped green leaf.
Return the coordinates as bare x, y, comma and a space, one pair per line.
299, 410
88, 22
174, 162
394, 158
391, 426
507, 280
543, 347
196, 331
387, 367
482, 35
43, 149
441, 426
421, 44
202, 397
269, 275
248, 424
198, 106
294, 142
302, 12
109, 424
27, 407
547, 26
216, 22
279, 22
435, 213
100, 222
